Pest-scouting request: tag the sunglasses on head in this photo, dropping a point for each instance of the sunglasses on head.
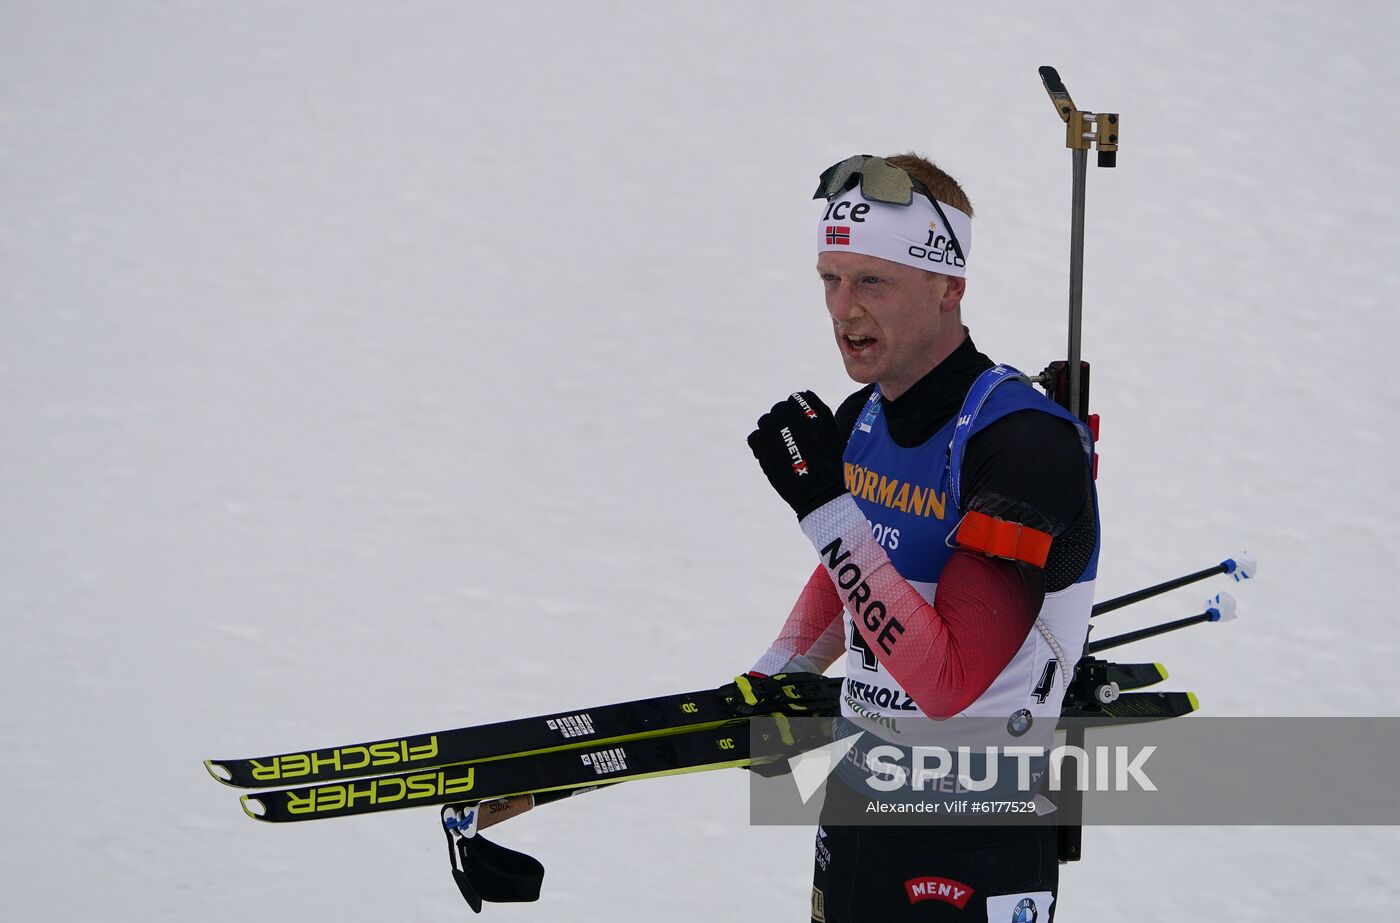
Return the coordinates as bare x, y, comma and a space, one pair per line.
880, 181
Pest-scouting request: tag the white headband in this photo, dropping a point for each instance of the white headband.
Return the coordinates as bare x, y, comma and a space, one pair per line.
911, 234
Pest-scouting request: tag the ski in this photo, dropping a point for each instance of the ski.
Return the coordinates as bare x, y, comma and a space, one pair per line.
1097, 683
800, 694
556, 770
709, 709
1136, 707
1130, 676
589, 765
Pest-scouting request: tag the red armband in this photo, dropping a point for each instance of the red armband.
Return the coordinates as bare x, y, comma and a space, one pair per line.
1002, 539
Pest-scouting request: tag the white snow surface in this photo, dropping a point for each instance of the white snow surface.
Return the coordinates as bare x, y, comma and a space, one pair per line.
375, 368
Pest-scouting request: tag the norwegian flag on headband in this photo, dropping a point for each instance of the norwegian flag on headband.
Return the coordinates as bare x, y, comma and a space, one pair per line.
838, 234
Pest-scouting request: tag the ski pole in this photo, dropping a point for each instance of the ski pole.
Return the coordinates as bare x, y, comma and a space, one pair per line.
1241, 567
1219, 608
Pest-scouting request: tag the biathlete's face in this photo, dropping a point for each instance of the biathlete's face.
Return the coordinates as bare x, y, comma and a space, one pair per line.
893, 323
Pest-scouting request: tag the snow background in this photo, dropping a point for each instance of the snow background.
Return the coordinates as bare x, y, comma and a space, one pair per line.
371, 369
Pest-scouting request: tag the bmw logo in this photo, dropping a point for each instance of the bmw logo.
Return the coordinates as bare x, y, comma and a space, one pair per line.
1019, 723
1025, 912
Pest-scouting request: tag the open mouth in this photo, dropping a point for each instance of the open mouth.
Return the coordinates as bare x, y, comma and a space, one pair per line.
857, 344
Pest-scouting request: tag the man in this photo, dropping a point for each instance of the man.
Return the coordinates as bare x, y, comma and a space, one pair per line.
953, 510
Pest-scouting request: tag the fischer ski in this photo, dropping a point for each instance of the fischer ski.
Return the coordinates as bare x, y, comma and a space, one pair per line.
1137, 707
1101, 690
587, 748
1136, 675
549, 771
795, 694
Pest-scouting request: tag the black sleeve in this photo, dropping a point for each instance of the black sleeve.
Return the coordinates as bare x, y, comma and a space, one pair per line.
1030, 467
847, 414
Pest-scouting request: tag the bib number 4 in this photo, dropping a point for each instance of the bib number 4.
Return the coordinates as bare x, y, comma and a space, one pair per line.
867, 656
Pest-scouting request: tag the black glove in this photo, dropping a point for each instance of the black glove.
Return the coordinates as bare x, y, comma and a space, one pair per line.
799, 448
799, 695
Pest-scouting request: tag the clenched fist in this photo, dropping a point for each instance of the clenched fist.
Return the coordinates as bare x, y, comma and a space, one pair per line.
799, 448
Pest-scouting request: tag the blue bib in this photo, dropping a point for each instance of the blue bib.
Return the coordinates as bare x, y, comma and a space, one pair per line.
913, 497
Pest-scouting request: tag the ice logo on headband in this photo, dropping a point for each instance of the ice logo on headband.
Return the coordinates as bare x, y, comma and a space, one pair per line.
914, 235
938, 248
834, 210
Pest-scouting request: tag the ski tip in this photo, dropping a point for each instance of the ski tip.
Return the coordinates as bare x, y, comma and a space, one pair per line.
1195, 702
247, 801
219, 772
1161, 671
